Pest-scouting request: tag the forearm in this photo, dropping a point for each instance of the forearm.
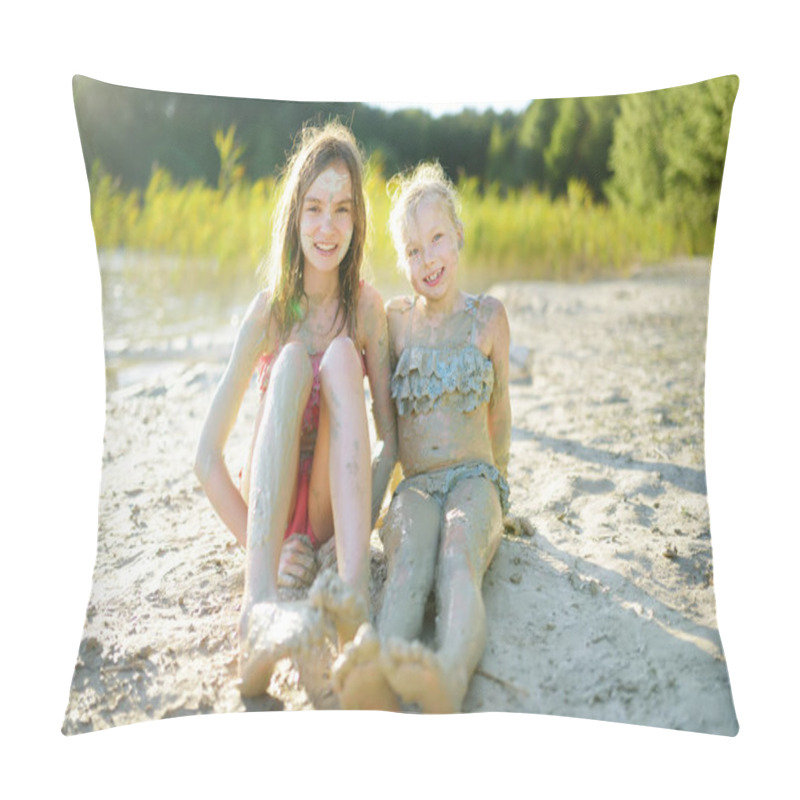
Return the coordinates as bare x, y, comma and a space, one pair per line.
500, 432
209, 465
383, 463
500, 402
223, 495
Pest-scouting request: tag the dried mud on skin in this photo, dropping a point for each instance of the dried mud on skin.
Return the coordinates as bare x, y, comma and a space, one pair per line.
606, 611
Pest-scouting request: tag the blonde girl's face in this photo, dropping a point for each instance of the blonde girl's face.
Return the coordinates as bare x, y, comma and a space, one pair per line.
326, 218
431, 249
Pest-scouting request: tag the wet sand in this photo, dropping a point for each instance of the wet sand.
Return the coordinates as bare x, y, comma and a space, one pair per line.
606, 612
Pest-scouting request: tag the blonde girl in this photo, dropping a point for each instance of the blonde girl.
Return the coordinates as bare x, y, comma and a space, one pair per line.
312, 335
449, 354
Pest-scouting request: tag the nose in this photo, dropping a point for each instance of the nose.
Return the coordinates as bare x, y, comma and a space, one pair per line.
326, 220
428, 254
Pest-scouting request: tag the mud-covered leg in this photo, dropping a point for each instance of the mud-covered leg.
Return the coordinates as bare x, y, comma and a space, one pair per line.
472, 530
341, 478
410, 538
437, 681
272, 485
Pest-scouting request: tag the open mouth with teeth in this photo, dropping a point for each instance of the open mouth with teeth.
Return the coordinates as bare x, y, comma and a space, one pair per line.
325, 249
434, 278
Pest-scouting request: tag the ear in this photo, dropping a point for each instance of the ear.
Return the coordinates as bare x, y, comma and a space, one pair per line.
460, 234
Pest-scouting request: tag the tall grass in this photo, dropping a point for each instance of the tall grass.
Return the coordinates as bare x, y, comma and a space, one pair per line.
520, 234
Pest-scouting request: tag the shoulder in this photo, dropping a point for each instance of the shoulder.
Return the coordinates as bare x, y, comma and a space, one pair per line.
258, 323
259, 308
369, 309
489, 305
370, 317
398, 313
493, 325
399, 306
369, 300
491, 311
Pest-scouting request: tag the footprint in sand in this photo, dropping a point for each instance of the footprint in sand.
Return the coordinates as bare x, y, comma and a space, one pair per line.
589, 486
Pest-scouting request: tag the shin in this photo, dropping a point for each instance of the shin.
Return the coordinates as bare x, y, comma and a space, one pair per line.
470, 536
349, 469
273, 470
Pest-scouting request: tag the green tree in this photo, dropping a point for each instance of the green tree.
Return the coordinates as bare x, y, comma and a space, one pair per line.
668, 154
534, 135
501, 161
561, 153
595, 142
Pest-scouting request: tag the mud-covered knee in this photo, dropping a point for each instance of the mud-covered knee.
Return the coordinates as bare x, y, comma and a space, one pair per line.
293, 366
458, 544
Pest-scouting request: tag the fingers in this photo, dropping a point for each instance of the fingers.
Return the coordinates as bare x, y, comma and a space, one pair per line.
326, 555
298, 563
518, 526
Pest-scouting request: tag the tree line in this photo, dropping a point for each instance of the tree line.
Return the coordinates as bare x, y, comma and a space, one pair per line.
660, 152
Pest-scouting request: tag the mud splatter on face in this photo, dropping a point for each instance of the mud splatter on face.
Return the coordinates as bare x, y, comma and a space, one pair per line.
326, 218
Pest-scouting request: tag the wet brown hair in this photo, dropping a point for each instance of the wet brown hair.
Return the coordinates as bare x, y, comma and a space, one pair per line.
315, 151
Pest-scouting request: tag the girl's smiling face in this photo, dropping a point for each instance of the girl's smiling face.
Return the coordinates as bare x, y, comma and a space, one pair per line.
326, 218
431, 249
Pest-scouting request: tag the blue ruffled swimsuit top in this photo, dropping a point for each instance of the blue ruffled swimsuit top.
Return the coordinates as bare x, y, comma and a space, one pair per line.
454, 375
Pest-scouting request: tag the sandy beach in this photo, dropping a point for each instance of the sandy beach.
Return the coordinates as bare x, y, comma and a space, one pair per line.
603, 609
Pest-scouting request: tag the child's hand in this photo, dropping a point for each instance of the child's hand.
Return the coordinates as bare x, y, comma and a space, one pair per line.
298, 563
518, 526
326, 555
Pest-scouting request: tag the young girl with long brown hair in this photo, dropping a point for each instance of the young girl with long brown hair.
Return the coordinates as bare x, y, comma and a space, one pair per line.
308, 483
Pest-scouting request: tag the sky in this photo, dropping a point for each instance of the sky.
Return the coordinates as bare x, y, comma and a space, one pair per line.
451, 107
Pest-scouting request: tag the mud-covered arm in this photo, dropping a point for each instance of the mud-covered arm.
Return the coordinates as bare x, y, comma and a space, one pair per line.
375, 337
500, 401
209, 464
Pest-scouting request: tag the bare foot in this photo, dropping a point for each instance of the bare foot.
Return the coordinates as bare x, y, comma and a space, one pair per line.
416, 674
358, 679
340, 603
272, 631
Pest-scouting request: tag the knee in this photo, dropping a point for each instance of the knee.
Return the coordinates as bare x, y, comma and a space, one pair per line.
455, 554
292, 368
341, 359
